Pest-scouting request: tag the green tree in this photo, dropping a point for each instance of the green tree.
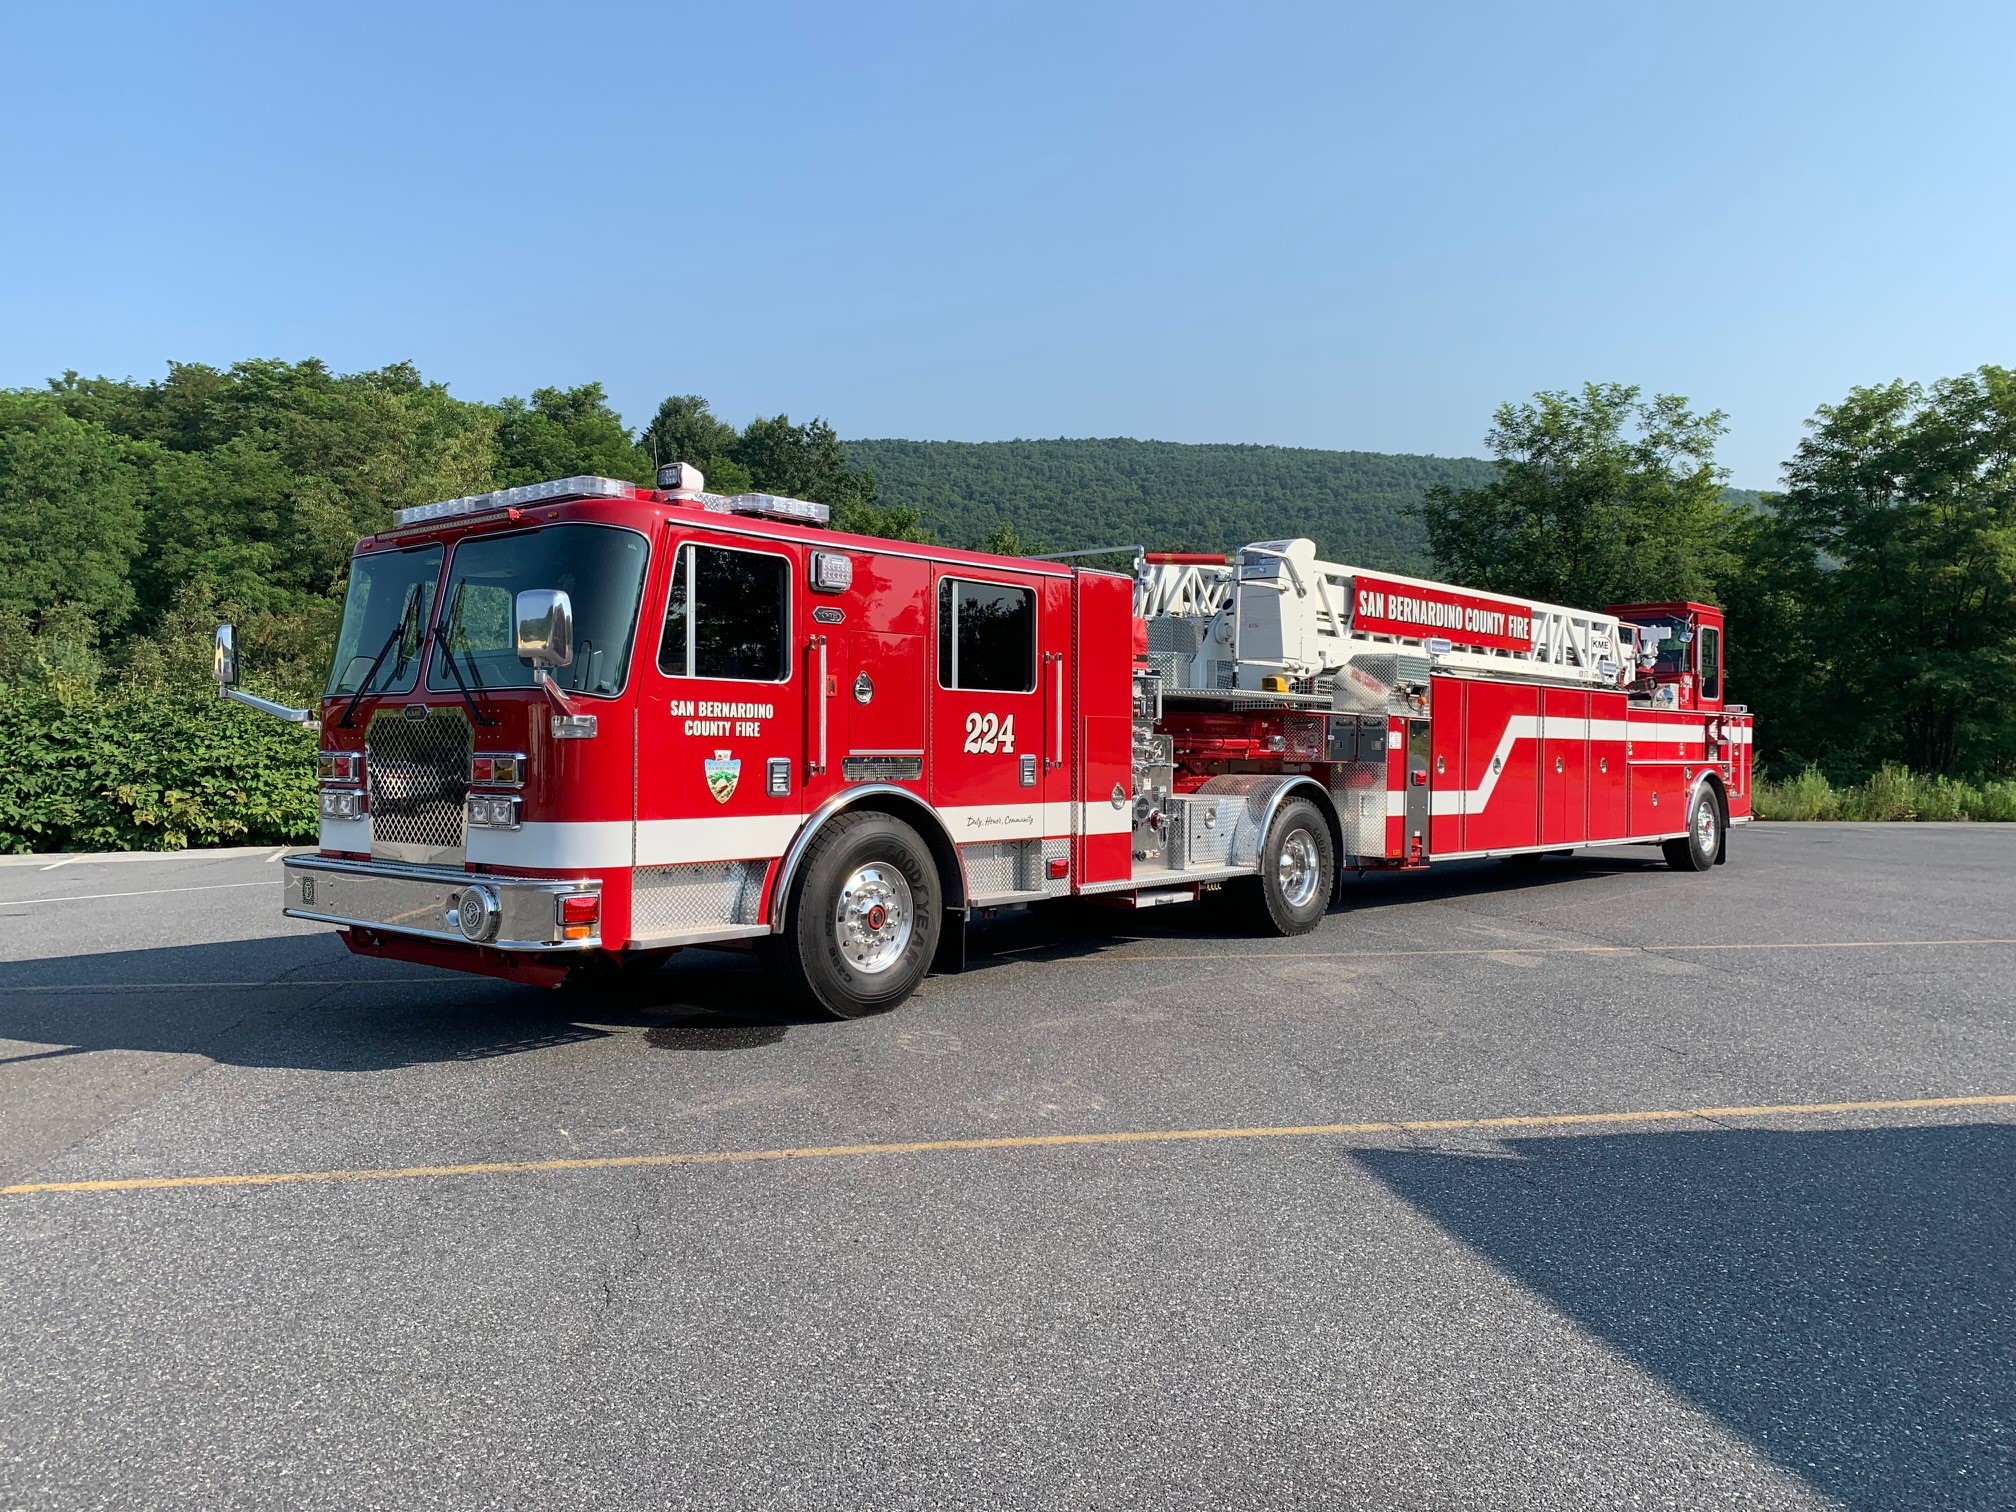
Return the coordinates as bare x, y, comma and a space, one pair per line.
808, 462
565, 432
69, 493
1599, 497
685, 429
1901, 502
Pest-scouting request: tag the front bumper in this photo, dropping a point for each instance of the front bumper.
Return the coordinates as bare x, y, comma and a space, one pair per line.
420, 901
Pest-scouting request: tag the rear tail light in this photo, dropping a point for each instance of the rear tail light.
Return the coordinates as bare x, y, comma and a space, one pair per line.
339, 766
578, 915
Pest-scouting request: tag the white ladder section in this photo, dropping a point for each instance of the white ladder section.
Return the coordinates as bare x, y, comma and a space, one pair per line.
1274, 610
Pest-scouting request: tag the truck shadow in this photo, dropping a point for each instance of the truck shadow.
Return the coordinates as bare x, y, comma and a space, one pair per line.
1072, 928
303, 1002
1841, 1298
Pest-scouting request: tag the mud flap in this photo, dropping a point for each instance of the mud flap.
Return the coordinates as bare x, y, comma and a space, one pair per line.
951, 957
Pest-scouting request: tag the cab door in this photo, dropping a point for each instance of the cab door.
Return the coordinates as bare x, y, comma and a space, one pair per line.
722, 712
992, 687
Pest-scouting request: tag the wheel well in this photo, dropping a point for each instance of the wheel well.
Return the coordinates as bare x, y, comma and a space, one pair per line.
1713, 782
897, 804
1313, 790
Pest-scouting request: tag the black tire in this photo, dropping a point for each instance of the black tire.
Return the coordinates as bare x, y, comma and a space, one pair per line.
1697, 849
863, 917
1298, 876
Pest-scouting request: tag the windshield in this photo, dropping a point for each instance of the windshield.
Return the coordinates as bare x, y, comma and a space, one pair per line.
391, 596
599, 567
1670, 641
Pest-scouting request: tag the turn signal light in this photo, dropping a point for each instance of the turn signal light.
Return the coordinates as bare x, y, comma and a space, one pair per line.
339, 766
578, 913
497, 771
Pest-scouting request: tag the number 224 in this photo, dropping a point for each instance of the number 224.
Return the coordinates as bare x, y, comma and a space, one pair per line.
990, 733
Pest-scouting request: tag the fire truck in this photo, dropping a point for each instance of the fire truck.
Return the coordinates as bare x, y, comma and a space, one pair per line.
576, 726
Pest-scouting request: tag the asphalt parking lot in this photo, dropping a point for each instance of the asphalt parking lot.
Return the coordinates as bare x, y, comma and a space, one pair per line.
1589, 1184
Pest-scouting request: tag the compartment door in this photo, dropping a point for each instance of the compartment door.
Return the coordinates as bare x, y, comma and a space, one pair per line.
1564, 766
1501, 767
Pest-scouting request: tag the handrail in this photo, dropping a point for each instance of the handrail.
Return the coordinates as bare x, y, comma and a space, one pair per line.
819, 643
1057, 725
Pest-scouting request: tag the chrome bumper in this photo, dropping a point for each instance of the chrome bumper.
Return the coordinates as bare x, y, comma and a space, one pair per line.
420, 901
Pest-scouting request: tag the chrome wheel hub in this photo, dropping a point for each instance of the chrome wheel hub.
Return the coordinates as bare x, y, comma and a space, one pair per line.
1297, 872
1704, 825
874, 917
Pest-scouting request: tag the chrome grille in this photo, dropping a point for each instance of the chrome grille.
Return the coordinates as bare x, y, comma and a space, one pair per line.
418, 770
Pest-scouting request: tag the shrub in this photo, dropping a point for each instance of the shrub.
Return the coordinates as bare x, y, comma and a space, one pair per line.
1892, 793
132, 768
1808, 796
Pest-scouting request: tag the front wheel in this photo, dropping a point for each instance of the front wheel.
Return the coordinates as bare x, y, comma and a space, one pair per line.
864, 916
1697, 850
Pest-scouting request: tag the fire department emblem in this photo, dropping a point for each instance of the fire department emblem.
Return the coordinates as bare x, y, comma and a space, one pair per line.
723, 772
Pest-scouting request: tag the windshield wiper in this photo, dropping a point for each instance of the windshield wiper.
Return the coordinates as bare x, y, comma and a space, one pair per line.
398, 634
444, 643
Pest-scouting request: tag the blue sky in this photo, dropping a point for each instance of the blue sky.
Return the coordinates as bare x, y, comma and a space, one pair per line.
1339, 226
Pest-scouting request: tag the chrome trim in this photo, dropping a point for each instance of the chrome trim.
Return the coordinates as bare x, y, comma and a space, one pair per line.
794, 853
700, 934
416, 901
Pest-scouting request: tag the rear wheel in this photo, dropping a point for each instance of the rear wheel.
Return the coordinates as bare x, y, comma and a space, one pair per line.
1298, 875
863, 918
1697, 850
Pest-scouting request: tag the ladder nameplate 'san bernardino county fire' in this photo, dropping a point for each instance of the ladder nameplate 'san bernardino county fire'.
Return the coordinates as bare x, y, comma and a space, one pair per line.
1385, 606
941, 733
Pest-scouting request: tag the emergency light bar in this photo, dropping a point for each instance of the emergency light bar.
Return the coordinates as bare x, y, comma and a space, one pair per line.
582, 487
772, 506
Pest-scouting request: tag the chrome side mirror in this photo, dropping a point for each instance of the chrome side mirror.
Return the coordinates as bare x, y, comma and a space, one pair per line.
224, 658
544, 620
224, 667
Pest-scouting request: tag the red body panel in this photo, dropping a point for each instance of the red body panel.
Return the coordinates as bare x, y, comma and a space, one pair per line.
1102, 693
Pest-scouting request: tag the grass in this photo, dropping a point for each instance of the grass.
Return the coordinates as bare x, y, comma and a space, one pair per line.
1894, 792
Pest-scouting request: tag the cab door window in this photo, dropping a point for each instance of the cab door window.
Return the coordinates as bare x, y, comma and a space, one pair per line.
1710, 642
986, 637
728, 616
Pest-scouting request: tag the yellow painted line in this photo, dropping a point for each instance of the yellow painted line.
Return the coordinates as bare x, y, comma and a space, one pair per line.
1011, 1142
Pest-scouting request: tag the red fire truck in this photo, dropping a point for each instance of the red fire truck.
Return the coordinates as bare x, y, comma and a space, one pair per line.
579, 725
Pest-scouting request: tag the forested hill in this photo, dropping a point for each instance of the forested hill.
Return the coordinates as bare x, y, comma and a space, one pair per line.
1061, 495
